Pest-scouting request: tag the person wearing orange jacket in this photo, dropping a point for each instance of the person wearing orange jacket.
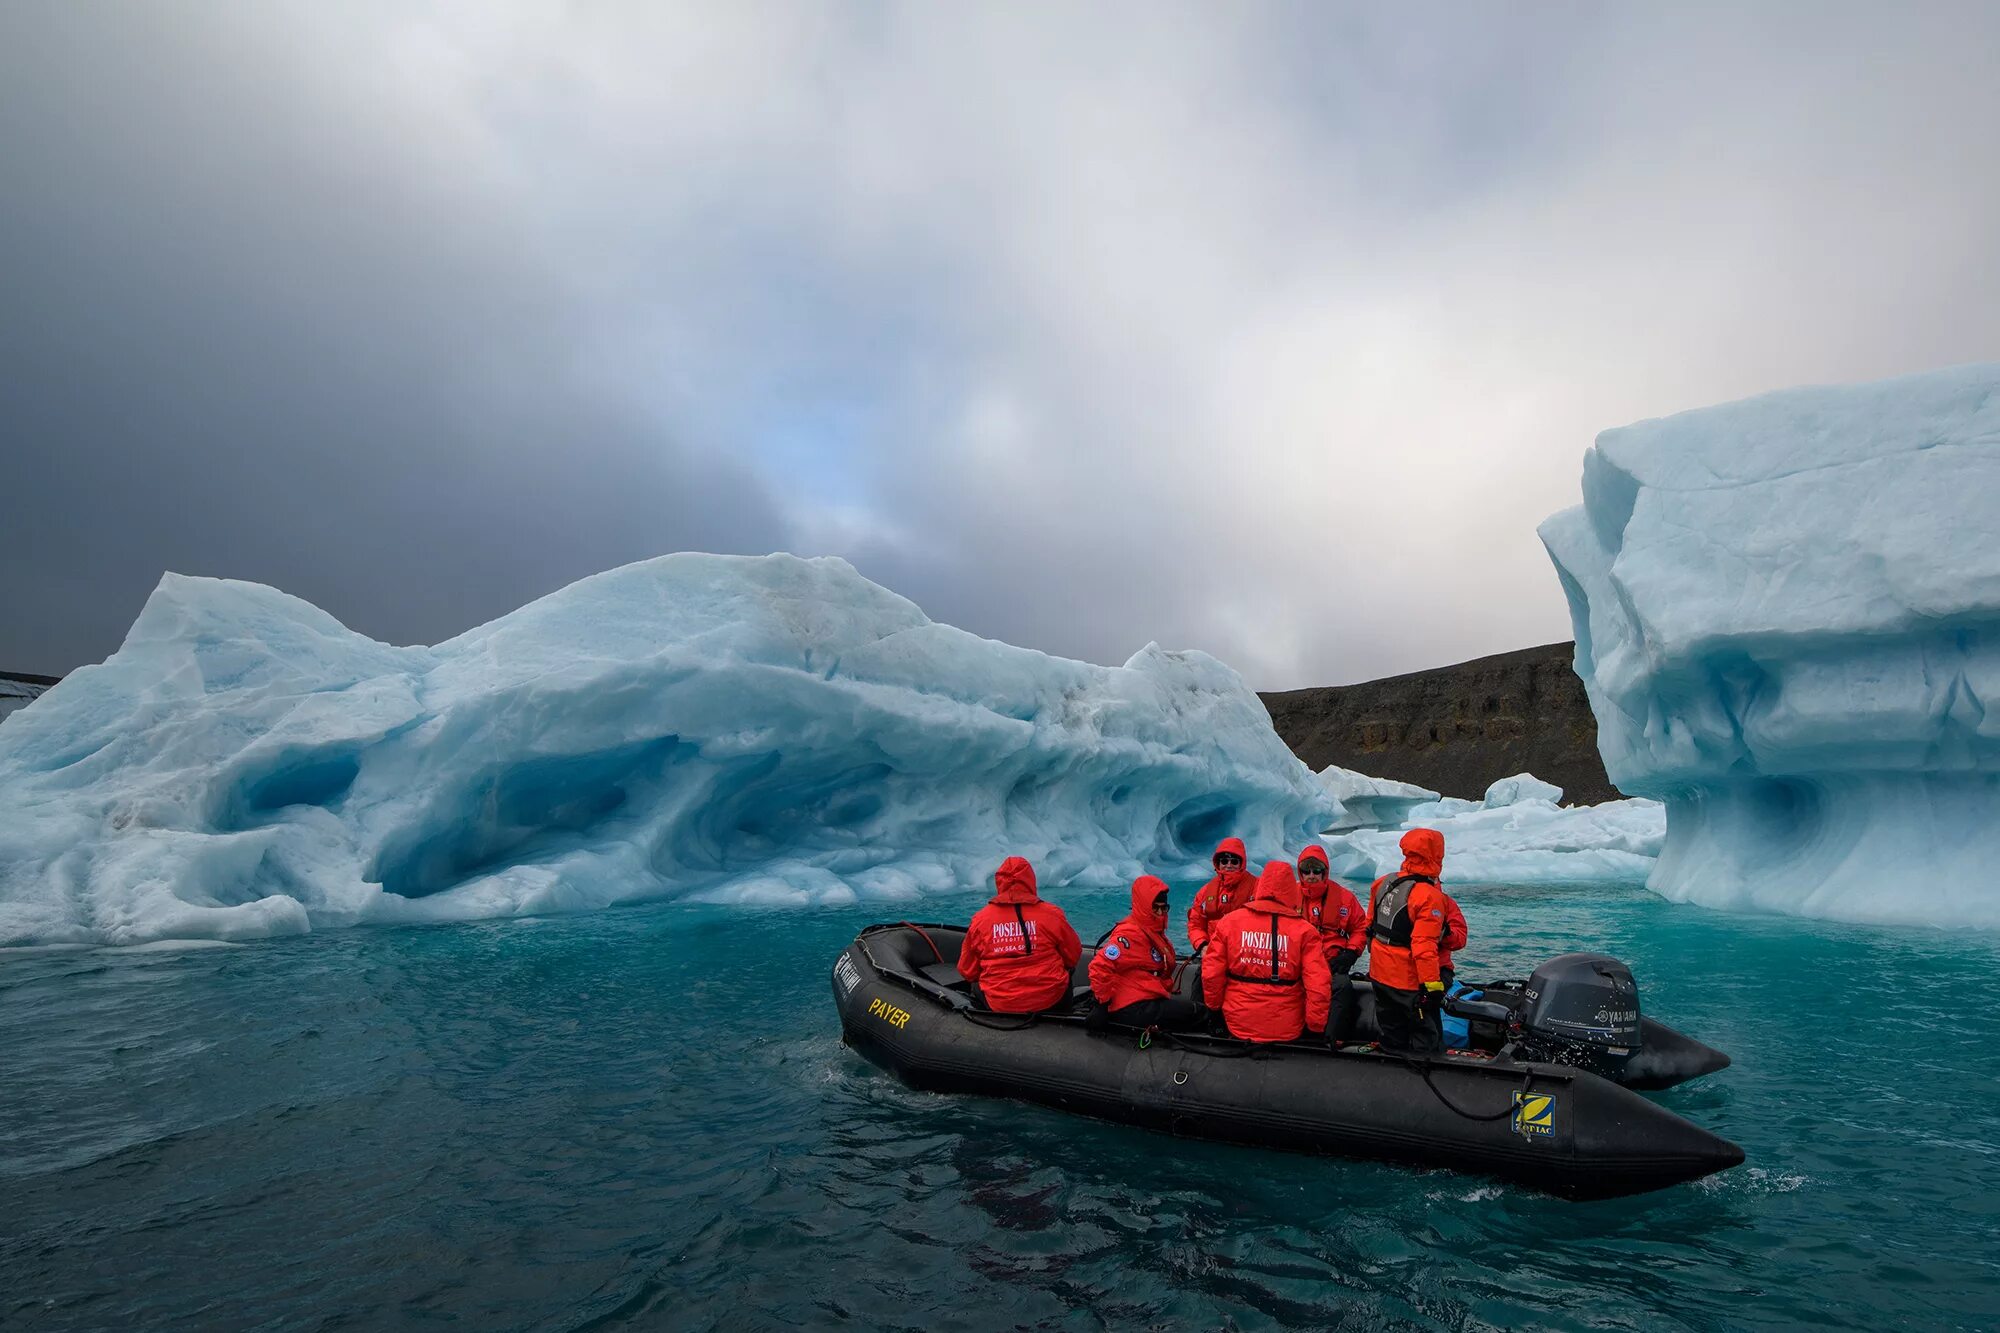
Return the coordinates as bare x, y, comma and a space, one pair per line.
1229, 890
1336, 913
1405, 922
1265, 967
1132, 975
1019, 951
1451, 939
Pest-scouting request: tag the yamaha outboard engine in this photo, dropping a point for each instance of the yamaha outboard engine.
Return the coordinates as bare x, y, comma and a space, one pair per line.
1581, 1009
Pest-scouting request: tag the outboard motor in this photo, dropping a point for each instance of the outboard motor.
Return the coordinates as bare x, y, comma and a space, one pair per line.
1581, 1009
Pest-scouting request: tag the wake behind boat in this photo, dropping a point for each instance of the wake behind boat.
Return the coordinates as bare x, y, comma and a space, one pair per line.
1514, 1112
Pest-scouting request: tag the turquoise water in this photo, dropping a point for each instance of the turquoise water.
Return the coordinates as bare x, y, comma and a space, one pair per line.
644, 1118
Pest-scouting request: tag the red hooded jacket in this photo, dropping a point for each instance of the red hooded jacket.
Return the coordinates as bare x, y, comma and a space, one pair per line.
1265, 967
1333, 910
1221, 895
1137, 962
1452, 938
1019, 949
1411, 966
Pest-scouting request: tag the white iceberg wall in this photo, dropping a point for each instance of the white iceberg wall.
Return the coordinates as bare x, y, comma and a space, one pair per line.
1787, 615
767, 729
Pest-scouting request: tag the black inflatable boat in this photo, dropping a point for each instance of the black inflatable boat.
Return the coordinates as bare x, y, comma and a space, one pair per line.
1511, 1112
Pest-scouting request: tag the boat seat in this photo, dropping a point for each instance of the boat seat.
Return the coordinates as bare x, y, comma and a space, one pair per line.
944, 974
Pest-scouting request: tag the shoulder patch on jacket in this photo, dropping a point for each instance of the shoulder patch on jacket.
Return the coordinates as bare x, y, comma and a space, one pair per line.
1112, 953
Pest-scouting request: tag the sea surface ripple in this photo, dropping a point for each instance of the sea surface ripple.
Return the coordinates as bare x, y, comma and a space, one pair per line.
644, 1118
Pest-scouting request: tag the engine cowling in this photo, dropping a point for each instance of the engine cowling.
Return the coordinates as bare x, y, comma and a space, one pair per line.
1581, 1009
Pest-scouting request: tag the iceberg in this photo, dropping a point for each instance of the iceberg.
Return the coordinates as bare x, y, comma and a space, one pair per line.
1444, 807
1361, 801
1520, 789
770, 730
1787, 617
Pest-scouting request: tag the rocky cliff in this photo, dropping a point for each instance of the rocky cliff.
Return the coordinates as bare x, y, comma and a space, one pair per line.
17, 691
1455, 729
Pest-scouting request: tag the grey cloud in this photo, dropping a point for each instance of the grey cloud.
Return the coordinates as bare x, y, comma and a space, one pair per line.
1268, 330
249, 334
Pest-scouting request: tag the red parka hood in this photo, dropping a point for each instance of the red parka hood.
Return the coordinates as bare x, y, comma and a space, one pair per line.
1234, 846
1144, 890
1277, 891
1313, 853
1014, 881
1423, 852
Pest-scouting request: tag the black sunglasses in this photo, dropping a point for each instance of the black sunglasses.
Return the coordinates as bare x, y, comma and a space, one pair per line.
1227, 860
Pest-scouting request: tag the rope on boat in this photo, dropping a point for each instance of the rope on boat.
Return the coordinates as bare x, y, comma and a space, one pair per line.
1423, 1067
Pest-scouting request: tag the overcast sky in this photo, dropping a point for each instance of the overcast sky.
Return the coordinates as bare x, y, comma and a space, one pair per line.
1271, 330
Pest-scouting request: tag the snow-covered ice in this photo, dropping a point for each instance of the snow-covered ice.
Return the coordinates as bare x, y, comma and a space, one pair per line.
773, 730
1787, 615
1517, 835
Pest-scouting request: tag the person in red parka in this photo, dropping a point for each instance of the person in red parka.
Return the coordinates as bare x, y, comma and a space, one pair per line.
1019, 951
1451, 939
1132, 976
1332, 909
1229, 890
1265, 967
1405, 922
1343, 928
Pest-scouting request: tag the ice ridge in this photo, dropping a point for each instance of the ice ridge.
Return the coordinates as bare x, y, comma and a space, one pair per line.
769, 729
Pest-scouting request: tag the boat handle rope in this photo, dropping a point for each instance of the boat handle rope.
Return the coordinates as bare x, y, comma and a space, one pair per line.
1217, 1048
998, 1023
1423, 1067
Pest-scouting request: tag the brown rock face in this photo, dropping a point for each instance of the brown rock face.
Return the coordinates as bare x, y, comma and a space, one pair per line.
1456, 729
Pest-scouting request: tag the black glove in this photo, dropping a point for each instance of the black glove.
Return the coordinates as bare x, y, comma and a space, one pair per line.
1345, 959
1218, 1026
